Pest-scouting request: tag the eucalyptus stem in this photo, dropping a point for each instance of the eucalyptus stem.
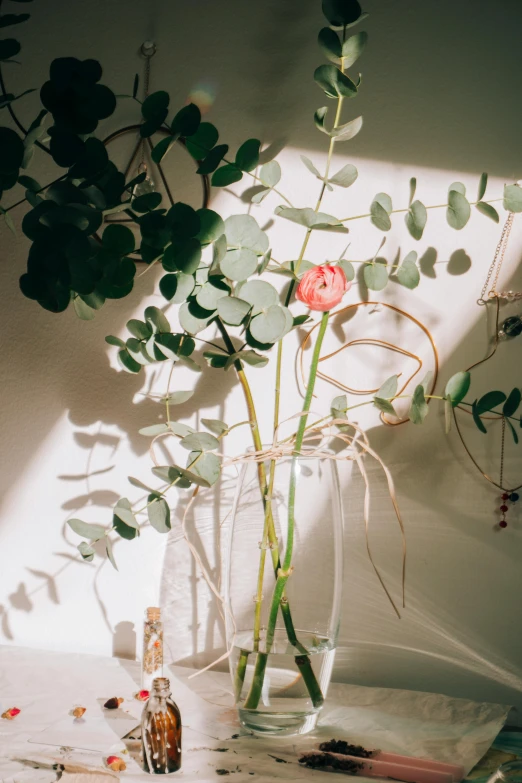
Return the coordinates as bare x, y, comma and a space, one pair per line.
285, 571
399, 211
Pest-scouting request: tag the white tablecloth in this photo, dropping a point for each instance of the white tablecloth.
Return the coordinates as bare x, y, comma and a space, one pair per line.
45, 686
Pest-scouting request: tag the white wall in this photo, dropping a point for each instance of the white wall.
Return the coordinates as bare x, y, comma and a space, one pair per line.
440, 99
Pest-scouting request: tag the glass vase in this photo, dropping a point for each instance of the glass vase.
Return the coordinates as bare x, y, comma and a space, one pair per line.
283, 642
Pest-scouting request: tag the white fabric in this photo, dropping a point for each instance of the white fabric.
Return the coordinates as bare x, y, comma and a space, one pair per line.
46, 686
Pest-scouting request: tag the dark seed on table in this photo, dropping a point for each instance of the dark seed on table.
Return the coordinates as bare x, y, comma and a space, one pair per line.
341, 746
222, 772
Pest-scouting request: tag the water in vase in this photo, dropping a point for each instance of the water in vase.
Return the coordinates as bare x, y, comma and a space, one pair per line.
285, 706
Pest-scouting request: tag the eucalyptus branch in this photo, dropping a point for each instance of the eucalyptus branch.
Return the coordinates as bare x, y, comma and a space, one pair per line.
432, 206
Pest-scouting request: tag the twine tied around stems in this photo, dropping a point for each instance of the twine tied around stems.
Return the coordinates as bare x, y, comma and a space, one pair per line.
313, 445
358, 445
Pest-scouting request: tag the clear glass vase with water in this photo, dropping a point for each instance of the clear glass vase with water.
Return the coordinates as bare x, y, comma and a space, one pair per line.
283, 651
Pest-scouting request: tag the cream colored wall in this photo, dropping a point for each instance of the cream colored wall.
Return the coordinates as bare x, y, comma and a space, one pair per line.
441, 101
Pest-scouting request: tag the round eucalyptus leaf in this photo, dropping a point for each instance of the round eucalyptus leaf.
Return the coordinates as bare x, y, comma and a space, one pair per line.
253, 359
147, 202
200, 441
345, 176
183, 220
232, 310
83, 310
9, 47
202, 141
458, 186
334, 82
419, 407
7, 20
135, 348
270, 173
213, 159
379, 216
239, 264
226, 175
139, 329
161, 148
119, 239
247, 156
459, 210
347, 267
86, 551
211, 227
243, 231
488, 210
11, 151
177, 287
189, 322
127, 362
489, 401
512, 197
376, 276
353, 48
416, 219
348, 130
258, 293
330, 44
159, 513
408, 273
157, 318
341, 12
269, 326
155, 106
187, 120
87, 529
457, 387
207, 468
115, 341
289, 321
215, 426
209, 294
182, 255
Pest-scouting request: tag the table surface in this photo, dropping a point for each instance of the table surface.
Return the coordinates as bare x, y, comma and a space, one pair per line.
46, 686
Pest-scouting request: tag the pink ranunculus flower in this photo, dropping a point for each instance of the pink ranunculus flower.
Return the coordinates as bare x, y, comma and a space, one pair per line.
322, 287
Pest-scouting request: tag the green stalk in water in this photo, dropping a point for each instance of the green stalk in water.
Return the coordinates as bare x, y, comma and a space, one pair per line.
285, 570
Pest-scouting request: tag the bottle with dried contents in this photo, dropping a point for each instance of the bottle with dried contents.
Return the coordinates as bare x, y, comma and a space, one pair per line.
152, 662
161, 731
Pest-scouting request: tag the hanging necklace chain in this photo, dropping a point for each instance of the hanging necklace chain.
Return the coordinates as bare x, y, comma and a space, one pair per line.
496, 264
148, 50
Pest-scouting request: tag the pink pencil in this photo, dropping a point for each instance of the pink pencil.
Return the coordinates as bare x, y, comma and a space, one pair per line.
403, 768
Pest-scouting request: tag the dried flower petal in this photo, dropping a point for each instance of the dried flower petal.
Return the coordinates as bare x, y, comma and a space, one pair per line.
79, 711
142, 695
115, 763
113, 703
11, 713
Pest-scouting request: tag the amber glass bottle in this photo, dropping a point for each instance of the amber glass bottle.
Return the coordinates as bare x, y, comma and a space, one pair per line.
161, 731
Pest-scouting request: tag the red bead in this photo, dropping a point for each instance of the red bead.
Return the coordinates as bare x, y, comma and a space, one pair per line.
505, 496
504, 509
503, 523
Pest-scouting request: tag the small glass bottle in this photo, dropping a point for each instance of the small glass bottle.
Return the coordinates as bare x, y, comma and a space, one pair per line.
161, 731
152, 661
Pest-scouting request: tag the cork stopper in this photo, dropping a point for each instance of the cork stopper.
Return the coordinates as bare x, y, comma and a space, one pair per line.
153, 614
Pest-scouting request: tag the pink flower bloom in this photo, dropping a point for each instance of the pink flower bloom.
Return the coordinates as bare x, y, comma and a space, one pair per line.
322, 287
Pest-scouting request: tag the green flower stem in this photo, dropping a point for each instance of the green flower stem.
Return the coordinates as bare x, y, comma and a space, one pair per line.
240, 673
269, 521
254, 695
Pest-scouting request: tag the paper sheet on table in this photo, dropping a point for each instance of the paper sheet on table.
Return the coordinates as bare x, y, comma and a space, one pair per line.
425, 725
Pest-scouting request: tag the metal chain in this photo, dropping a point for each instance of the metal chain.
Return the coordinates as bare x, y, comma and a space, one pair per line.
148, 50
497, 262
502, 452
